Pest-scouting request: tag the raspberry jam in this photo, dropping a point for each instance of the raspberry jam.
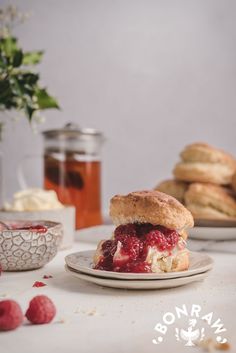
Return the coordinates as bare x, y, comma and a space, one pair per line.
128, 250
32, 228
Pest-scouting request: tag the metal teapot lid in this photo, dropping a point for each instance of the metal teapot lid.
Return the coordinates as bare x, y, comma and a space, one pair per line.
72, 131
71, 138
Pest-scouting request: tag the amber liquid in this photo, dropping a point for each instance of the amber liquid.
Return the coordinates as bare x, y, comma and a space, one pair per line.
76, 182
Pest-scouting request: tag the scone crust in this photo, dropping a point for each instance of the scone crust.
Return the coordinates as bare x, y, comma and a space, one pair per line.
234, 182
210, 201
202, 152
175, 188
204, 163
152, 207
215, 173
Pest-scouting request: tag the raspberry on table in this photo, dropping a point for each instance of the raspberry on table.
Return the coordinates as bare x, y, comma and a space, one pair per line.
41, 310
11, 315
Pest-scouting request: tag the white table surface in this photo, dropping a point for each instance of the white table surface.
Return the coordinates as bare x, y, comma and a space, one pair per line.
124, 320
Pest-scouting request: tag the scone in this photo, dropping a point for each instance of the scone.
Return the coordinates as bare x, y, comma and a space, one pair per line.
234, 182
205, 164
208, 201
175, 188
149, 237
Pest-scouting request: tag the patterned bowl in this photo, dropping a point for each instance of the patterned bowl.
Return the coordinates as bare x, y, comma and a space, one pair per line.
28, 245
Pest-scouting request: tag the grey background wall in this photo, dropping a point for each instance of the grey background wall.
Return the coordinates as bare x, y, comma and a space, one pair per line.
153, 75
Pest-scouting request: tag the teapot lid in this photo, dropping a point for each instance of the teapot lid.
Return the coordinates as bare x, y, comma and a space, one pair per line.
72, 131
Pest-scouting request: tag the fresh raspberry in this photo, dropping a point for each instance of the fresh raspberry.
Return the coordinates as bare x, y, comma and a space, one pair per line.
172, 240
126, 229
163, 239
131, 246
11, 315
156, 238
172, 237
109, 248
41, 310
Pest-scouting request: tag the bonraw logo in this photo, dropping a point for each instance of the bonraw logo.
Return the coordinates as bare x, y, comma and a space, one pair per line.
197, 323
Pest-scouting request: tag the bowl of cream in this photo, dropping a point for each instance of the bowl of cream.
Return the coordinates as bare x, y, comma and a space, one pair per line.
38, 204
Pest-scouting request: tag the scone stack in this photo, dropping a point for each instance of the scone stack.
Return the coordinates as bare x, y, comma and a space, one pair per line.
205, 182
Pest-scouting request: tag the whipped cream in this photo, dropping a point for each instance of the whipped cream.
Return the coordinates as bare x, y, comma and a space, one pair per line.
34, 199
161, 261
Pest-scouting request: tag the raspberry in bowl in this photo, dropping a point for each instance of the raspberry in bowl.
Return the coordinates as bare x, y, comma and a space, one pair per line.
28, 245
149, 237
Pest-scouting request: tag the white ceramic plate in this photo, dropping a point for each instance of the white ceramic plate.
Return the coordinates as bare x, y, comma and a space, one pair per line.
213, 233
137, 284
214, 229
82, 261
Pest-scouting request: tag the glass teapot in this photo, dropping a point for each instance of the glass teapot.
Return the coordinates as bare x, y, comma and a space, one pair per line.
72, 167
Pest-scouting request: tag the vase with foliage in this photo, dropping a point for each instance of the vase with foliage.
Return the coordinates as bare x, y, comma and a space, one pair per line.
20, 91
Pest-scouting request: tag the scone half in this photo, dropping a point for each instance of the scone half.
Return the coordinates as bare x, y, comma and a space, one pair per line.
175, 188
149, 236
201, 162
208, 201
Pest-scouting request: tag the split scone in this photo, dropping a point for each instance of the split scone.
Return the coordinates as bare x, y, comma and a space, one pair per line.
234, 182
205, 164
149, 237
175, 188
208, 201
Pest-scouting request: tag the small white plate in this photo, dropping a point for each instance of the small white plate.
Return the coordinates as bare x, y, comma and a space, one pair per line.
133, 284
213, 233
83, 261
214, 229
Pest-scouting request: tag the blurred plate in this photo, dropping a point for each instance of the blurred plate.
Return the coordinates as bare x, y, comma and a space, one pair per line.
137, 284
215, 223
83, 261
213, 229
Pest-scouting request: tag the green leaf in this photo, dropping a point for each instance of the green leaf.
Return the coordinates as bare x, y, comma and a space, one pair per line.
29, 111
32, 58
17, 58
9, 46
45, 101
5, 90
29, 78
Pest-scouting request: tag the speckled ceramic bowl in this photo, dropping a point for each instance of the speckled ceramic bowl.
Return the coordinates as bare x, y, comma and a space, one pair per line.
28, 249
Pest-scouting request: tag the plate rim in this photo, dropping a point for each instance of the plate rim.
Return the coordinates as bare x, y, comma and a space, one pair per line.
137, 284
139, 276
204, 233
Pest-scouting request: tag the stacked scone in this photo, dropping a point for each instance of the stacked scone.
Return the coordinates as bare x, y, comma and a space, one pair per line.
150, 234
205, 181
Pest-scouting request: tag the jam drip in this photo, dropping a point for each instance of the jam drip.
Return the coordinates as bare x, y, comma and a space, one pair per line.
128, 250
